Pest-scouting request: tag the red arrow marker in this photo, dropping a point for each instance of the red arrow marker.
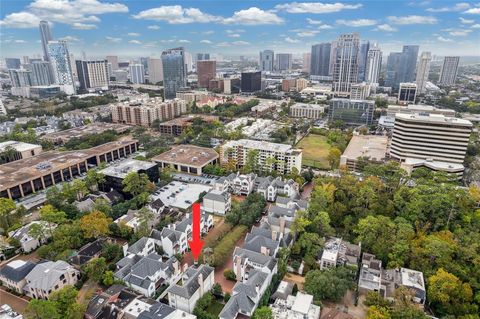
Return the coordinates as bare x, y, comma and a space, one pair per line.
196, 243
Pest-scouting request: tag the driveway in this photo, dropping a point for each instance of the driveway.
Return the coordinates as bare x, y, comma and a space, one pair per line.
18, 304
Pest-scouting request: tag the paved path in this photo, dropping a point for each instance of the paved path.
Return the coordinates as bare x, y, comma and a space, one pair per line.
227, 285
18, 304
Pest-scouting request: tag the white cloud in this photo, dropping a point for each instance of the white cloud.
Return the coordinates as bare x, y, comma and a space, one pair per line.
134, 42
442, 39
385, 27
234, 35
307, 33
457, 7
208, 32
412, 19
61, 11
83, 26
206, 41
458, 32
183, 41
253, 16
315, 7
153, 27
70, 38
229, 44
324, 27
473, 11
240, 43
20, 41
133, 34
476, 26
113, 39
357, 23
290, 40
466, 21
314, 22
176, 15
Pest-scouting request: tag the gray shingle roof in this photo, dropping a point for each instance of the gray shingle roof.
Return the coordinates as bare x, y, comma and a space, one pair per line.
157, 311
45, 275
190, 281
255, 257
256, 242
16, 271
138, 246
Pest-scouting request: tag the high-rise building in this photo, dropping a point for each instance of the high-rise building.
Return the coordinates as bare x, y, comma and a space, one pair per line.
41, 73
188, 62
320, 59
307, 57
333, 54
137, 73
283, 61
434, 141
401, 66
174, 71
203, 56
144, 62
345, 71
360, 91
374, 64
12, 63
155, 70
61, 67
423, 69
393, 63
45, 37
351, 112
266, 60
92, 75
20, 78
407, 93
113, 59
448, 73
362, 60
251, 81
206, 71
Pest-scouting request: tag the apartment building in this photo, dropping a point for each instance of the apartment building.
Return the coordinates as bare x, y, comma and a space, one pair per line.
271, 156
434, 141
144, 112
309, 111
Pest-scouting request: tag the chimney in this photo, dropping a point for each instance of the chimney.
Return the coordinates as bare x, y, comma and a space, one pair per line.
264, 251
274, 235
282, 224
238, 265
185, 267
200, 283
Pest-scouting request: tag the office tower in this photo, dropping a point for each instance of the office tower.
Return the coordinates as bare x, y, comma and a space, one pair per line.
61, 67
206, 71
144, 62
360, 91
283, 61
407, 93
434, 141
351, 112
188, 59
73, 66
362, 60
423, 69
137, 73
307, 57
393, 63
203, 56
155, 70
345, 71
113, 59
320, 59
20, 78
92, 75
41, 73
12, 63
333, 54
266, 60
45, 37
174, 71
448, 74
251, 81
401, 66
374, 65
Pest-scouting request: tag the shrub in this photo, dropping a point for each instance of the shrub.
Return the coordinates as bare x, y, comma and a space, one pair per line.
229, 274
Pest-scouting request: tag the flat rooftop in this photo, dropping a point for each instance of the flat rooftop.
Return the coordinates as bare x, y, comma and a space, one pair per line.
121, 169
180, 195
19, 146
261, 145
372, 146
418, 108
308, 106
185, 120
434, 118
94, 128
189, 155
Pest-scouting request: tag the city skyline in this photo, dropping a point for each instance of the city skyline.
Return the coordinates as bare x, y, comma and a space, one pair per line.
145, 28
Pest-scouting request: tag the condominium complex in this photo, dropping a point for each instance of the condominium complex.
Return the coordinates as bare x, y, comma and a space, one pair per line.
435, 141
283, 61
374, 64
92, 75
271, 156
61, 65
423, 68
351, 112
310, 111
345, 71
144, 112
448, 74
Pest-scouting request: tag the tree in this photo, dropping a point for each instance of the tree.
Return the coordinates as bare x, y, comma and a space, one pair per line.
37, 231
229, 274
95, 225
7, 218
330, 284
93, 179
264, 312
79, 188
95, 269
108, 278
102, 205
64, 299
135, 183
112, 252
42, 309
217, 289
52, 216
144, 216
333, 157
251, 164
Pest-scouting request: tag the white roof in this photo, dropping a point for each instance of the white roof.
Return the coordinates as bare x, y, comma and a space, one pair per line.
122, 169
19, 146
434, 118
261, 145
302, 303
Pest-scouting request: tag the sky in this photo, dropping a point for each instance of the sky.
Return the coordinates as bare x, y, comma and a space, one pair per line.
232, 28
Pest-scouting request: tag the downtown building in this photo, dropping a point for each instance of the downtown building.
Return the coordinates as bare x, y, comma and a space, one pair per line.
155, 70
401, 66
206, 71
45, 37
448, 73
407, 93
266, 60
174, 71
283, 62
345, 71
92, 75
374, 65
137, 73
59, 58
351, 112
433, 141
423, 70
41, 73
144, 112
271, 156
320, 59
251, 81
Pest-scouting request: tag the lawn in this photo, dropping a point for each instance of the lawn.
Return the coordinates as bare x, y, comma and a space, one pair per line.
315, 151
215, 308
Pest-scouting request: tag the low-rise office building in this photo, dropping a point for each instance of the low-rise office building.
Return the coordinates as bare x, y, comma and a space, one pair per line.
62, 137
369, 148
418, 108
407, 93
13, 151
309, 111
187, 158
351, 112
116, 173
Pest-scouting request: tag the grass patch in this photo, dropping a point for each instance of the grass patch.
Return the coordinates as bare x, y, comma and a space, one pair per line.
315, 151
223, 251
215, 308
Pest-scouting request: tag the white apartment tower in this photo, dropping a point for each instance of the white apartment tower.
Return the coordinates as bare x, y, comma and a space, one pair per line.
61, 65
423, 68
137, 73
155, 70
345, 70
374, 64
448, 74
92, 75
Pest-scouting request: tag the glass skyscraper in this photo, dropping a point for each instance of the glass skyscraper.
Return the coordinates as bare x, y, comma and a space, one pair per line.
45, 36
61, 66
174, 71
41, 73
345, 70
401, 66
320, 59
266, 60
362, 61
